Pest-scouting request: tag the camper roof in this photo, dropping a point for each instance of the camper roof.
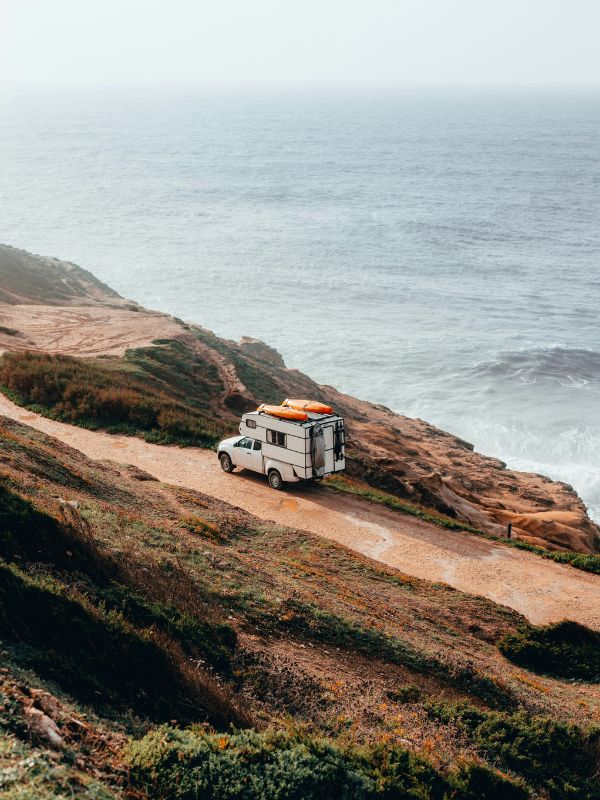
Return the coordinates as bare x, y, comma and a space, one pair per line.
312, 417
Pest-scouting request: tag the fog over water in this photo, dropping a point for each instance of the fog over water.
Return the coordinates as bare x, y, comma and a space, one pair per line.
436, 252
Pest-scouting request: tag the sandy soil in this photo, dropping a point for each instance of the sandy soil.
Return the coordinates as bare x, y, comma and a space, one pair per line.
541, 590
81, 331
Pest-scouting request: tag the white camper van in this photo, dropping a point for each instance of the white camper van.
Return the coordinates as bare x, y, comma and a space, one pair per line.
287, 443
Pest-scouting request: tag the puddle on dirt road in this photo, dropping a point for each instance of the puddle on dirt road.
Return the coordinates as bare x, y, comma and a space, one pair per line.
286, 504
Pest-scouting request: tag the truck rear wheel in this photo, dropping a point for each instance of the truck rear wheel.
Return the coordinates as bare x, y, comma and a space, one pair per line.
226, 463
275, 480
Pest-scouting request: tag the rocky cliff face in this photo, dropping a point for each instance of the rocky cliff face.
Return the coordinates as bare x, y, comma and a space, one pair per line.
407, 457
417, 461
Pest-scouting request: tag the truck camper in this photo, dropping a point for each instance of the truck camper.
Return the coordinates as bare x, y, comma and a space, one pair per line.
297, 441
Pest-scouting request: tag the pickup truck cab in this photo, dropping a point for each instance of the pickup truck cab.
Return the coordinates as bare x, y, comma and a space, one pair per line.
245, 452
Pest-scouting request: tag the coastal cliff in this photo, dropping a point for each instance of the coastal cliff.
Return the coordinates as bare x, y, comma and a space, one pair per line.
50, 306
156, 638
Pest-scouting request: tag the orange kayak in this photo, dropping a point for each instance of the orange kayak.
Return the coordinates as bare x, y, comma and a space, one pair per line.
308, 405
283, 413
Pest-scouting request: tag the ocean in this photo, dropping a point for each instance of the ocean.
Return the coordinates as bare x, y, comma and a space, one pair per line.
438, 252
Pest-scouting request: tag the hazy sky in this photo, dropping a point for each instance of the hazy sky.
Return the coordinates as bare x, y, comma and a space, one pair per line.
323, 42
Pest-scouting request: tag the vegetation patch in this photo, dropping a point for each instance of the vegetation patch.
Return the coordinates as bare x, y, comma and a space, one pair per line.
563, 650
30, 773
308, 620
343, 484
584, 561
163, 392
254, 375
27, 533
171, 764
214, 643
101, 657
559, 758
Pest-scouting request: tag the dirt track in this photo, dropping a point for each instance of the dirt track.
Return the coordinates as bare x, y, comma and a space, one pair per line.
541, 590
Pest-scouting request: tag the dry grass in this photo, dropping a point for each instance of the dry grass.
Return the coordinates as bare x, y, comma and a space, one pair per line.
164, 393
321, 637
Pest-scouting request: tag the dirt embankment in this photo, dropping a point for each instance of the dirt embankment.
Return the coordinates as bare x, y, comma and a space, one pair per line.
541, 590
56, 307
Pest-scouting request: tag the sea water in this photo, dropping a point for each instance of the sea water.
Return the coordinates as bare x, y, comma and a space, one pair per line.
435, 252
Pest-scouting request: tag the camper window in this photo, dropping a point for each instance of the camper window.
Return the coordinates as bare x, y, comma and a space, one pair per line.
276, 437
251, 423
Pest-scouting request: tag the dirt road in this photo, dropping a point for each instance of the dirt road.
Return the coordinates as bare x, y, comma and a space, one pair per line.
541, 590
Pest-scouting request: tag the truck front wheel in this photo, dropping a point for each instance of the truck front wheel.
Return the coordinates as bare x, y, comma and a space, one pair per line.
226, 463
275, 481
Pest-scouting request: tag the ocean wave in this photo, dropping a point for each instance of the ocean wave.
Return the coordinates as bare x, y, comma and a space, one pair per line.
537, 442
570, 367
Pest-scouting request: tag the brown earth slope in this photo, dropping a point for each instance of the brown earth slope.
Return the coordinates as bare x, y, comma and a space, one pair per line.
407, 457
541, 590
256, 573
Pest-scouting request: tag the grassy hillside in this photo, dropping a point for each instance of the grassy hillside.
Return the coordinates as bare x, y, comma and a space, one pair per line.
165, 393
139, 622
28, 278
173, 393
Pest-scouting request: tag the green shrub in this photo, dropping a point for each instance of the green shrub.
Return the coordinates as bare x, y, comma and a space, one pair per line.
564, 650
170, 764
31, 773
587, 562
475, 781
162, 392
557, 757
405, 694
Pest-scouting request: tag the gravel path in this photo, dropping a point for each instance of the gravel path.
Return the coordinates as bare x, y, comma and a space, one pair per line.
541, 590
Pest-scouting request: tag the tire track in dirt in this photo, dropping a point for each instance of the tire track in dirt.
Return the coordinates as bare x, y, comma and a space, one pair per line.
541, 590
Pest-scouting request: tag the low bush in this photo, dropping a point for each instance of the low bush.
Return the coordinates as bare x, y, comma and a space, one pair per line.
170, 764
563, 650
31, 773
405, 694
557, 757
162, 393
